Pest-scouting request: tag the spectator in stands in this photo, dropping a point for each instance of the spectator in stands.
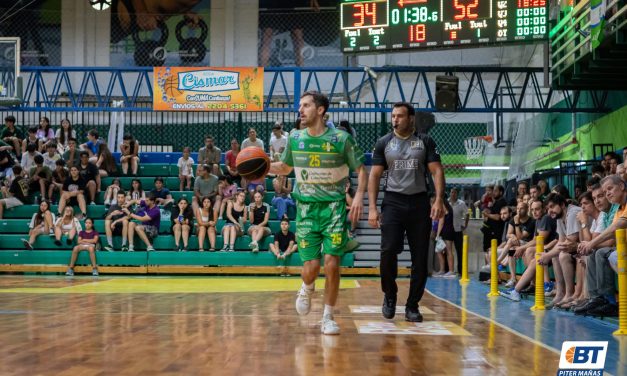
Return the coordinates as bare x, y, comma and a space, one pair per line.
460, 223
42, 223
40, 177
206, 221
544, 189
210, 155
182, 224
349, 195
90, 174
520, 231
278, 141
116, 222
6, 162
87, 241
205, 185
146, 223
345, 125
31, 139
72, 155
327, 121
186, 169
298, 125
252, 140
282, 199
613, 164
66, 225
534, 193
12, 136
136, 194
254, 186
591, 183
59, 174
284, 241
73, 192
598, 171
236, 213
621, 171
91, 146
28, 157
51, 156
162, 194
105, 162
226, 190
625, 156
591, 219
129, 149
447, 234
64, 134
521, 190
259, 212
111, 193
230, 158
16, 194
492, 215
607, 157
45, 134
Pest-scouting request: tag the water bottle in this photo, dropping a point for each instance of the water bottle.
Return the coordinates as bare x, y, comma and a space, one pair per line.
241, 223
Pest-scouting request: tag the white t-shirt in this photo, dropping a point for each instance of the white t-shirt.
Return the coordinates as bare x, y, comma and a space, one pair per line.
28, 161
278, 143
186, 166
597, 224
460, 210
247, 142
51, 162
572, 225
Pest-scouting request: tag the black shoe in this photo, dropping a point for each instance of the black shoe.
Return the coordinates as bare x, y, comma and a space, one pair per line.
413, 315
606, 310
57, 243
68, 241
531, 289
591, 303
389, 307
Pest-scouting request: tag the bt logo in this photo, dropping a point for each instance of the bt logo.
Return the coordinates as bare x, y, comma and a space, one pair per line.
583, 355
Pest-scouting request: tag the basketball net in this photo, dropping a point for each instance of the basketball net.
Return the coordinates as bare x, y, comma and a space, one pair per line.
475, 146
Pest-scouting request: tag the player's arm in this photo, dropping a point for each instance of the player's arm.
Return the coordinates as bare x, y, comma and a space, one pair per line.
280, 168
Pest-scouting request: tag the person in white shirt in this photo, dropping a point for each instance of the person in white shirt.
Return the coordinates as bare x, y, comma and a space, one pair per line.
28, 158
278, 141
252, 140
460, 223
51, 157
186, 169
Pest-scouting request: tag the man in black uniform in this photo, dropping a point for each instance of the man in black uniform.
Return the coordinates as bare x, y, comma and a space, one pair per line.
406, 156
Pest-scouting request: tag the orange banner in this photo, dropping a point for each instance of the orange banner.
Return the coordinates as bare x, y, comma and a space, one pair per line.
208, 89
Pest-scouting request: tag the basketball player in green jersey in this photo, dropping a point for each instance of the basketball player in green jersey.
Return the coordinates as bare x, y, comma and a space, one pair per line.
322, 159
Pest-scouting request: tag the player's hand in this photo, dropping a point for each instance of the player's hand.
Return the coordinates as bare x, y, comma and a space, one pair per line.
374, 217
357, 208
437, 209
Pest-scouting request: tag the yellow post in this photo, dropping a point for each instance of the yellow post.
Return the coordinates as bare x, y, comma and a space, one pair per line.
494, 271
621, 249
539, 302
465, 278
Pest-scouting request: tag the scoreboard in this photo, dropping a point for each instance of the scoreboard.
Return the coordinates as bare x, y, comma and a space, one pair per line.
379, 25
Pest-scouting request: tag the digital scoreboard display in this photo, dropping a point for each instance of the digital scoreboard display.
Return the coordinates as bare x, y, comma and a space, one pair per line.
368, 26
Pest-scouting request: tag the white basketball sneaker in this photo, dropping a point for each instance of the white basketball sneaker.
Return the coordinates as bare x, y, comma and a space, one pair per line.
303, 300
328, 326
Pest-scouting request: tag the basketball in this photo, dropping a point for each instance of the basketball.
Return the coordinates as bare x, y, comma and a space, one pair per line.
171, 86
252, 163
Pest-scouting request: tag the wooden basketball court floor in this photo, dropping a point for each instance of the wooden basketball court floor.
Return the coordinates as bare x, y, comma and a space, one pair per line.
248, 326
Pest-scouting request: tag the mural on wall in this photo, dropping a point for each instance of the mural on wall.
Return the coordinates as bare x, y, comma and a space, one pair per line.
160, 32
299, 33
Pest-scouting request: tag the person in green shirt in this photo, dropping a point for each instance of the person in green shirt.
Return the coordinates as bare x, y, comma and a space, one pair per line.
12, 135
72, 154
322, 159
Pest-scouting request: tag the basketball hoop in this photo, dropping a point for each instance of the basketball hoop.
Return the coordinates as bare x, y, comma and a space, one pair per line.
475, 145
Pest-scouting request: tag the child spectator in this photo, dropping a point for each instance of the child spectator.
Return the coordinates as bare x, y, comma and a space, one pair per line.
91, 146
226, 190
42, 223
45, 134
136, 194
252, 140
51, 156
6, 162
40, 177
230, 158
90, 174
282, 199
235, 216
182, 224
105, 162
259, 212
210, 155
163, 195
87, 241
16, 194
278, 141
59, 174
111, 194
73, 192
28, 157
130, 154
63, 135
206, 221
186, 169
12, 136
66, 225
146, 223
31, 139
116, 222
71, 156
284, 241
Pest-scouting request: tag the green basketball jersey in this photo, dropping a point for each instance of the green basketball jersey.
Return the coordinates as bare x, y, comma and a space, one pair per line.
321, 164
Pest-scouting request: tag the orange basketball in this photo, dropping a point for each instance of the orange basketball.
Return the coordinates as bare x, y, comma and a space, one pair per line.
171, 86
252, 163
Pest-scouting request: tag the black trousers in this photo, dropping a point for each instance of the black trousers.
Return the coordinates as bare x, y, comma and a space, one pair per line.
405, 215
458, 241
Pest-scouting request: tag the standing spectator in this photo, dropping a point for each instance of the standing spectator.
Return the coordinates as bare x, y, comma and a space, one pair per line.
73, 192
130, 154
146, 224
28, 157
206, 221
45, 134
42, 223
494, 224
31, 139
59, 174
90, 174
105, 162
234, 227
72, 155
448, 235
182, 224
278, 141
186, 169
111, 194
460, 223
210, 155
284, 241
66, 225
16, 194
40, 177
136, 194
6, 161
116, 222
259, 212
91, 146
87, 241
162, 194
345, 126
12, 136
51, 156
205, 185
230, 158
226, 190
282, 199
63, 135
252, 140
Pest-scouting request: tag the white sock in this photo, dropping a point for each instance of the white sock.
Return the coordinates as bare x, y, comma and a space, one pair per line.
328, 310
309, 287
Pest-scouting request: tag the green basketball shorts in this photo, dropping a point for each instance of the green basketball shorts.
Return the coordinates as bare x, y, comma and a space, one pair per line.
321, 228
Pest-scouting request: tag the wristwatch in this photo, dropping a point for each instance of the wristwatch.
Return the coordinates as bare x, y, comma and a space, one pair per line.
583, 225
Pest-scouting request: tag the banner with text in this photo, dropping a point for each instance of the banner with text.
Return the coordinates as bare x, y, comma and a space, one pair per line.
208, 89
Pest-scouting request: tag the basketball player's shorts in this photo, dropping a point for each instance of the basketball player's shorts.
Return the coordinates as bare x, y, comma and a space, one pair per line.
321, 227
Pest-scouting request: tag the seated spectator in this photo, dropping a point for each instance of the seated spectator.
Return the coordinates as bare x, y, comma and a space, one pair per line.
206, 221
71, 156
252, 140
282, 199
87, 241
12, 136
598, 171
591, 183
91, 146
146, 223
116, 222
226, 190
90, 174
45, 134
105, 162
42, 223
345, 126
63, 135
610, 160
621, 171
182, 224
236, 213
254, 186
205, 185
73, 192
66, 225
186, 169
28, 157
59, 174
51, 156
520, 230
259, 212
111, 194
130, 154
230, 158
136, 194
40, 177
534, 192
284, 241
544, 189
16, 194
6, 162
210, 155
162, 194
278, 141
31, 139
